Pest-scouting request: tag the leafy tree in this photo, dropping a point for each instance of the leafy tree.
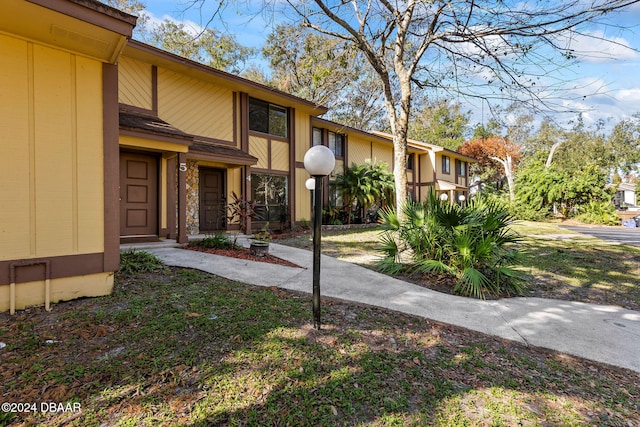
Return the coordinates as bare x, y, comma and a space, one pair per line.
624, 141
440, 123
324, 70
208, 47
496, 158
136, 8
541, 188
493, 49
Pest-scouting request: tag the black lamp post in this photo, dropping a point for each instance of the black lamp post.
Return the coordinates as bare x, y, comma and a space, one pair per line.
319, 162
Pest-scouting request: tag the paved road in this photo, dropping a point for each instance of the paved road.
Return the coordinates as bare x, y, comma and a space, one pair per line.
623, 235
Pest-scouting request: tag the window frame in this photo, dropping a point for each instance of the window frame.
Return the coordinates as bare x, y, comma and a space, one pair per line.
462, 169
446, 165
275, 212
270, 112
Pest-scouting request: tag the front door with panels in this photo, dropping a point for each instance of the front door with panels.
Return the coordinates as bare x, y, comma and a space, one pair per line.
138, 195
212, 200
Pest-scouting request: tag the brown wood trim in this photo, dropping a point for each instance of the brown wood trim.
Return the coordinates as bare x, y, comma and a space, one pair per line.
94, 13
234, 101
154, 89
299, 165
59, 267
111, 152
244, 122
267, 135
156, 137
345, 152
182, 200
172, 196
292, 165
138, 109
197, 138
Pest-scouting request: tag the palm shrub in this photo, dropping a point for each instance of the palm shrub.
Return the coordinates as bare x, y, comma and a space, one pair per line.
470, 242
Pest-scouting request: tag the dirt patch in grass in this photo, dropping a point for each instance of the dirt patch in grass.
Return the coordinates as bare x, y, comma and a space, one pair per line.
182, 347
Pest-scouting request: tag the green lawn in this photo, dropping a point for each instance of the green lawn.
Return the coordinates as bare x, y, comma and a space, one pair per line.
580, 268
181, 347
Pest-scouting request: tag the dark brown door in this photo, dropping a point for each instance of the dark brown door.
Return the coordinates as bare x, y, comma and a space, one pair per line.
212, 200
138, 195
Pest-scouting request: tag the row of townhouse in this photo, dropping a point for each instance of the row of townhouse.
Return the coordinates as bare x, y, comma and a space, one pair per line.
104, 140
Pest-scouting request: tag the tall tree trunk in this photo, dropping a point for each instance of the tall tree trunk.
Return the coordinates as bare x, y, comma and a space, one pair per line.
507, 164
554, 147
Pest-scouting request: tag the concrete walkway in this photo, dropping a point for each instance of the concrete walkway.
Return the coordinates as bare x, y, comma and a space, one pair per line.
601, 333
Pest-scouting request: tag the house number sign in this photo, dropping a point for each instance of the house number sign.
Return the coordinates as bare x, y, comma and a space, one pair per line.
183, 167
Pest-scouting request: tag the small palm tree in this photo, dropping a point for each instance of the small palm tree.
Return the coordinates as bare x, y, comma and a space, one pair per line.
365, 185
471, 243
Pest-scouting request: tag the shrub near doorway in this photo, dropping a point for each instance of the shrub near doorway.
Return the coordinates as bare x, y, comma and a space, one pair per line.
471, 243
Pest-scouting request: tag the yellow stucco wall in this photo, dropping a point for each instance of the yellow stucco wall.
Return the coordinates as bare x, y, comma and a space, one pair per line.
52, 155
194, 106
135, 83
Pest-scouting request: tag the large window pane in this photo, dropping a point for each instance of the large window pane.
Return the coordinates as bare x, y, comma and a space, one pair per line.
317, 136
258, 116
270, 194
277, 121
267, 118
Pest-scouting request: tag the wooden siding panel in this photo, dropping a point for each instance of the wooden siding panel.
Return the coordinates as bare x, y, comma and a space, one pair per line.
89, 163
135, 83
258, 147
359, 150
383, 153
303, 132
15, 165
303, 196
426, 168
195, 107
279, 155
54, 175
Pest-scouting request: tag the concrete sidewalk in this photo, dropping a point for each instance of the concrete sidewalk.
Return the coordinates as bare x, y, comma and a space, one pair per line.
606, 334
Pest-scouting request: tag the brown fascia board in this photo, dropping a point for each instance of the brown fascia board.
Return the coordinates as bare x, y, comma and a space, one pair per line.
93, 12
340, 128
175, 62
426, 146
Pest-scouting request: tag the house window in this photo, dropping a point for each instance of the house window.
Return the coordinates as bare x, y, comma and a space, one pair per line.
267, 118
410, 162
446, 164
270, 194
462, 168
336, 144
317, 136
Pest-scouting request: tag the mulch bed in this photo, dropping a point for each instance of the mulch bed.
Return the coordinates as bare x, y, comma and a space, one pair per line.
245, 253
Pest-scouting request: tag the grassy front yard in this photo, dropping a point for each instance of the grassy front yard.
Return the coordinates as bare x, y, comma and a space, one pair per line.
182, 347
579, 269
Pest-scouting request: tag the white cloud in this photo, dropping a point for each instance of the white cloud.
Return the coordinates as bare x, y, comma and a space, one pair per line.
596, 47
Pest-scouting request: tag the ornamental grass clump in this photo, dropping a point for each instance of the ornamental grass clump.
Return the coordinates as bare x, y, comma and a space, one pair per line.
472, 242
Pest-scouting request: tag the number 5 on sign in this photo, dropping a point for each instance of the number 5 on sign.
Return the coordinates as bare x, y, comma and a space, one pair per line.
183, 167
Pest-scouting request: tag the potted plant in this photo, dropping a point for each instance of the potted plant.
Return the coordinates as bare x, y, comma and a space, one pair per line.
259, 246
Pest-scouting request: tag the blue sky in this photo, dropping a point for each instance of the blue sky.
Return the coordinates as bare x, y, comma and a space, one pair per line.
604, 83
